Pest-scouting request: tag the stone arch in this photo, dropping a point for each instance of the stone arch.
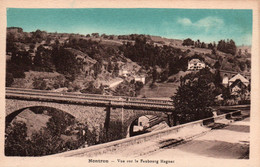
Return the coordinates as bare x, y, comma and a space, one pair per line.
92, 115
10, 117
128, 123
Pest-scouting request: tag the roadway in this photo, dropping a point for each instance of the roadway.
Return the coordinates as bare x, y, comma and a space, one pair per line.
228, 142
231, 142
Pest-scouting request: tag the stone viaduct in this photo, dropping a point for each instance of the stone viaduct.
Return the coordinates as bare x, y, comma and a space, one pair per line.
88, 108
230, 74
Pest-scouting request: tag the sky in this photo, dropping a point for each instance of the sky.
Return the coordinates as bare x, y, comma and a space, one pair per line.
207, 25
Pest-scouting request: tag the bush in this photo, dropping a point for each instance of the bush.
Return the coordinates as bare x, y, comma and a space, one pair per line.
9, 79
39, 83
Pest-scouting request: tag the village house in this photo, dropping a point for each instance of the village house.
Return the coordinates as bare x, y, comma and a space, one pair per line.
196, 64
139, 78
143, 121
124, 73
237, 86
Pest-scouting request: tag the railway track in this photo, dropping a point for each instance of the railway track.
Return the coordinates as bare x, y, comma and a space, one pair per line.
43, 95
90, 96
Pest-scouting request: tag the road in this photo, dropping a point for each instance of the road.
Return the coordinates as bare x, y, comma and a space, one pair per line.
229, 142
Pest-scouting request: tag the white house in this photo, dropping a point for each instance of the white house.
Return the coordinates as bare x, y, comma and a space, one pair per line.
123, 72
196, 64
143, 122
140, 79
225, 80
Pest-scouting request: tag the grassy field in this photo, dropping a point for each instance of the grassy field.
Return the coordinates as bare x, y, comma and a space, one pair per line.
163, 90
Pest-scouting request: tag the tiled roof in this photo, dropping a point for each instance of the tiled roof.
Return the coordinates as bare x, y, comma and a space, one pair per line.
238, 76
194, 61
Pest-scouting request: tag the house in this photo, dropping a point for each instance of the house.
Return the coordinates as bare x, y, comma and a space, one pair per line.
124, 73
240, 90
196, 64
143, 122
237, 86
238, 77
139, 78
225, 80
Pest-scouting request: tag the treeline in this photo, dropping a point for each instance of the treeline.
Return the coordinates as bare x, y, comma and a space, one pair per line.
148, 55
58, 59
228, 46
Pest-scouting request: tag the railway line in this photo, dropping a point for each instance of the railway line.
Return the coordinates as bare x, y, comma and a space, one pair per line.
43, 95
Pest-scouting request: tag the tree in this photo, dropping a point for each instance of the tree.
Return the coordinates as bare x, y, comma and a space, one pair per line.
154, 74
227, 47
116, 70
95, 35
97, 68
66, 63
15, 139
9, 79
188, 42
203, 45
218, 78
109, 67
43, 60
213, 51
194, 97
217, 65
210, 46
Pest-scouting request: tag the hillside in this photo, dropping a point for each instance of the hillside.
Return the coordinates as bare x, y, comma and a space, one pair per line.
91, 63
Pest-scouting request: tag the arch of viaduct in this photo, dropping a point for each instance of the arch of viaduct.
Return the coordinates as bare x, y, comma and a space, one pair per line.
94, 115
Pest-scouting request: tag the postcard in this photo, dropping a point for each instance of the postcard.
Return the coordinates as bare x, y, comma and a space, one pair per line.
140, 83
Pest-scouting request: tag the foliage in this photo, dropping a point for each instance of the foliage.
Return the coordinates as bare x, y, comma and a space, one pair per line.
16, 70
15, 140
125, 89
19, 63
194, 97
92, 89
39, 83
148, 55
62, 133
43, 60
188, 42
116, 70
50, 83
66, 63
128, 88
227, 47
9, 79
